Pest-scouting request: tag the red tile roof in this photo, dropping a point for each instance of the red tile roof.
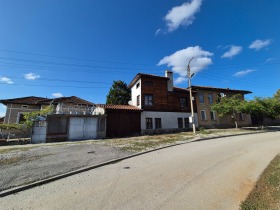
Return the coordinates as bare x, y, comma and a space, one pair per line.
119, 107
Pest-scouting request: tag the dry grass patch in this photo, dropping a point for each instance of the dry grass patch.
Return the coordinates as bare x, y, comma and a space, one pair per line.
142, 143
18, 159
266, 194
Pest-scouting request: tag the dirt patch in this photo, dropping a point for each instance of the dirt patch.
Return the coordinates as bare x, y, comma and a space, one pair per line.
19, 166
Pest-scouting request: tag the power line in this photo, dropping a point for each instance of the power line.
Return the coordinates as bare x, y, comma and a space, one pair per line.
69, 58
17, 84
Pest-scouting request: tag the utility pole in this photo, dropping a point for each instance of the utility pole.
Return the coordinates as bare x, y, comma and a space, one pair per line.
190, 90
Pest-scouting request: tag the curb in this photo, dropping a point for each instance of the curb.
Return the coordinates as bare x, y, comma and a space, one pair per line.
61, 176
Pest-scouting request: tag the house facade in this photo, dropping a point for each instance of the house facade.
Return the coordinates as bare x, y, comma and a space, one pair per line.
16, 107
165, 108
208, 96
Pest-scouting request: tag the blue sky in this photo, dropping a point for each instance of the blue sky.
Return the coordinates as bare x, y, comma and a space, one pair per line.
51, 48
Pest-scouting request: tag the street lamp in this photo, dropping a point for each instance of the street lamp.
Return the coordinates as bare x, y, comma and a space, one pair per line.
190, 75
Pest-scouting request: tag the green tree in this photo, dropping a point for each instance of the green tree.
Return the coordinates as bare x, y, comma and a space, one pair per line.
30, 117
229, 106
277, 95
119, 93
261, 108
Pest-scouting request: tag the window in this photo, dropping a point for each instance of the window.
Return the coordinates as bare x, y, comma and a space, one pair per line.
187, 122
183, 102
21, 118
201, 97
149, 123
180, 122
157, 123
138, 85
24, 106
148, 83
203, 115
212, 115
148, 100
138, 100
210, 98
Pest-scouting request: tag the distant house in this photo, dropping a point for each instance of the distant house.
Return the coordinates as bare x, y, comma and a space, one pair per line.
63, 105
165, 108
206, 97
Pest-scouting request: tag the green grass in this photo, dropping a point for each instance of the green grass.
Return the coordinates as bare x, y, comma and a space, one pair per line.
4, 150
266, 194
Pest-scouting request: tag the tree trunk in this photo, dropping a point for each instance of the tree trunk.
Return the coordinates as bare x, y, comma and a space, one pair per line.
236, 126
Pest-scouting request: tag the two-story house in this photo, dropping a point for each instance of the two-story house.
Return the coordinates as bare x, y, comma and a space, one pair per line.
206, 97
63, 105
165, 108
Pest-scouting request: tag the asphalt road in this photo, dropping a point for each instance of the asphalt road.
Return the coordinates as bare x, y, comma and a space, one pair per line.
212, 174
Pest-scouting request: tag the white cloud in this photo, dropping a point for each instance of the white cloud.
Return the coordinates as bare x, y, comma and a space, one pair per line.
31, 76
6, 80
158, 31
182, 15
180, 80
179, 61
233, 51
270, 59
243, 73
57, 95
259, 44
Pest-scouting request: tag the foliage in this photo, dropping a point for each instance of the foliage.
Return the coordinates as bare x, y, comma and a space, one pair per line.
10, 126
30, 117
266, 193
228, 106
277, 95
119, 93
261, 108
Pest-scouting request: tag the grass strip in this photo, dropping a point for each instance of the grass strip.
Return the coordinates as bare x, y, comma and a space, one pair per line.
266, 194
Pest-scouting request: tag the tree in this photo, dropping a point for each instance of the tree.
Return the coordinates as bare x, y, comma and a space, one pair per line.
277, 95
119, 93
228, 106
261, 108
30, 117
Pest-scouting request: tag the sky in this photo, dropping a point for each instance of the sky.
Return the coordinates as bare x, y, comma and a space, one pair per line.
51, 48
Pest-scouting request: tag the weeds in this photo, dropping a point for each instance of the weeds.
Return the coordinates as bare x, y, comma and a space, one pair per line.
266, 194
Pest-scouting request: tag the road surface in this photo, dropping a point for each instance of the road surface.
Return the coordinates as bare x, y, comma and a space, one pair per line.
212, 174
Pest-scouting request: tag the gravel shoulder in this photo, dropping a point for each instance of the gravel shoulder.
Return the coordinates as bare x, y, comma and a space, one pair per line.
25, 164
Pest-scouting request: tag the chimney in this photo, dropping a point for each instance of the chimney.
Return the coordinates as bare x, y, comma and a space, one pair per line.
169, 74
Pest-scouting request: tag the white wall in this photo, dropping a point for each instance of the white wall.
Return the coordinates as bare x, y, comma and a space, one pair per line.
39, 134
135, 92
82, 128
168, 119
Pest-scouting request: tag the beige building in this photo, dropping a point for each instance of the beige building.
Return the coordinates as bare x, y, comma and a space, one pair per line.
206, 97
63, 105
